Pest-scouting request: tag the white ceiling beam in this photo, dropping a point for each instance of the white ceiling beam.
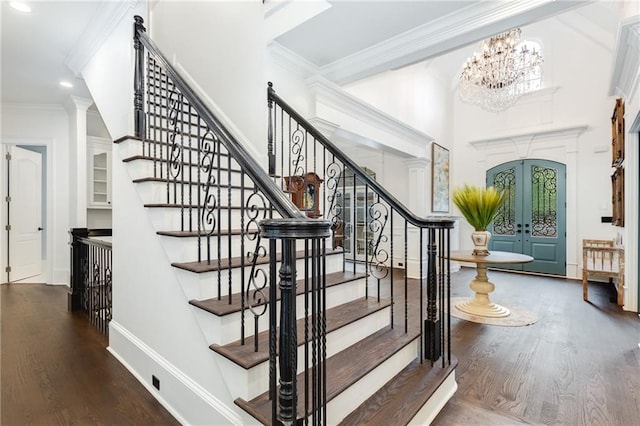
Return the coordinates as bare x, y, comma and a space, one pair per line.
474, 23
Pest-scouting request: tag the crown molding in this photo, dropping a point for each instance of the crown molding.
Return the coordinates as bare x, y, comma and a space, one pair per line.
291, 61
105, 19
477, 21
332, 95
626, 57
25, 106
283, 15
529, 137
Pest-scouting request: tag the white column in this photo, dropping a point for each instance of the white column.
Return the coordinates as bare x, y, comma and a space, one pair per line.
420, 205
77, 110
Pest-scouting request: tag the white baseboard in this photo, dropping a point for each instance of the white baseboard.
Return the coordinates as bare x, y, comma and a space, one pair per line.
186, 400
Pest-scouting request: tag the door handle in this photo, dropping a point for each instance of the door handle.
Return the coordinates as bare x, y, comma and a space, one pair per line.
40, 228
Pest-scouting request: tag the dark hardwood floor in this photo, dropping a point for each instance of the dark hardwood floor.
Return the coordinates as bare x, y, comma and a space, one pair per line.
578, 365
55, 370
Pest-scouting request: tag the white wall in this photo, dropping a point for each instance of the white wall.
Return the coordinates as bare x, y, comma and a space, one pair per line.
109, 75
577, 96
47, 125
418, 95
154, 329
226, 58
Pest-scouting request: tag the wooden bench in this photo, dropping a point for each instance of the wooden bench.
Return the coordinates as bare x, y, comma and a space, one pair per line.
602, 258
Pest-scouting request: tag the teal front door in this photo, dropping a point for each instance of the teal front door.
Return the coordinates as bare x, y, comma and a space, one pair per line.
532, 219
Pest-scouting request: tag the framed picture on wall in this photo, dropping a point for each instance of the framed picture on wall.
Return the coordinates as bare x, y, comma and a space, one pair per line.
617, 133
439, 178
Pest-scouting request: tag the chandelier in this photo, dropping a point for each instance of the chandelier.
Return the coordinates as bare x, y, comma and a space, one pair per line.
503, 71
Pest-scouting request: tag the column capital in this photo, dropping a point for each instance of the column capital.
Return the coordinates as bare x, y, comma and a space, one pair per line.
417, 162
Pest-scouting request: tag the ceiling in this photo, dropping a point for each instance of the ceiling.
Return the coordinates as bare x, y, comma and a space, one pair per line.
341, 40
35, 47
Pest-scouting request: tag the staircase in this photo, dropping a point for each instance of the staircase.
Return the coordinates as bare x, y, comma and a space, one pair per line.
300, 328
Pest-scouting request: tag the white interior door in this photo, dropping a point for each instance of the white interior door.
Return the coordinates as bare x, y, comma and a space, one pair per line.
25, 214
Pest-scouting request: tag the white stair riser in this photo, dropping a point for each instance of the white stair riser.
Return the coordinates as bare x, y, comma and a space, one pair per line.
249, 383
340, 407
207, 282
139, 169
186, 249
226, 329
131, 147
161, 192
176, 219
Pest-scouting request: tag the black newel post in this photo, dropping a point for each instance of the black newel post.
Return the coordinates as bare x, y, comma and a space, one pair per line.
288, 231
270, 146
79, 258
138, 79
432, 323
287, 396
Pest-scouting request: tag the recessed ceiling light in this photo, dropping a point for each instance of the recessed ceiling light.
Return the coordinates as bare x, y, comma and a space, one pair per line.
65, 83
20, 6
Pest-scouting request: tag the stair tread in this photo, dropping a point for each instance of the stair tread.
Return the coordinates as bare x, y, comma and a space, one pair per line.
402, 397
346, 367
187, 234
222, 306
195, 206
164, 160
164, 143
186, 182
235, 262
337, 317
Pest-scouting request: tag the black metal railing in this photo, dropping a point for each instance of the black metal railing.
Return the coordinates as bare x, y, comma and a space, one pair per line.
239, 217
375, 230
230, 205
91, 276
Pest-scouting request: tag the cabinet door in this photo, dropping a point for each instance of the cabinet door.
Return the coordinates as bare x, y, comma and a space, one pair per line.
99, 176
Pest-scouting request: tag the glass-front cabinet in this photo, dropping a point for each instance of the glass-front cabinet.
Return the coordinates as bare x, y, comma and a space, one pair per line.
99, 163
356, 215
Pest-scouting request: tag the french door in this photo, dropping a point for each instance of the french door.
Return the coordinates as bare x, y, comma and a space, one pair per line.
532, 219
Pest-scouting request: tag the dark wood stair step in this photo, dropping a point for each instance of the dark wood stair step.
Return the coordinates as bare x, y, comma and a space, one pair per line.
187, 234
163, 162
221, 307
337, 317
236, 262
223, 187
343, 369
402, 397
195, 206
163, 143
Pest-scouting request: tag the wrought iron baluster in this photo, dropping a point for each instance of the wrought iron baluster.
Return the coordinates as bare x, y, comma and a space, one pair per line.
190, 168
242, 265
270, 147
138, 82
406, 277
391, 265
421, 259
229, 228
219, 218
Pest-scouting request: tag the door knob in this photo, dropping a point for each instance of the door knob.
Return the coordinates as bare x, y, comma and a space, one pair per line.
40, 228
